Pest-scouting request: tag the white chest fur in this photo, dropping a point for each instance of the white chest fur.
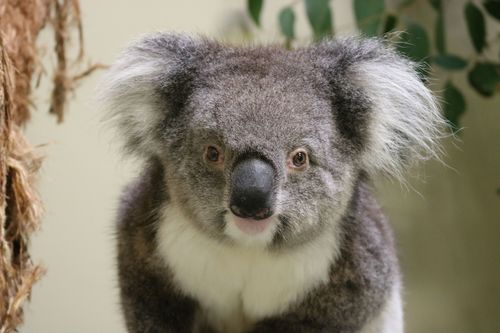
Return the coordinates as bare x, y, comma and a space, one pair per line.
239, 285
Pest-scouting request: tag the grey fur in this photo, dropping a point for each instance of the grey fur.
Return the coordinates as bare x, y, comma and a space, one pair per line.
355, 105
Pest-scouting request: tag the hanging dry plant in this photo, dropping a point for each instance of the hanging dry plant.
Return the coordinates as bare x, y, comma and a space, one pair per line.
20, 206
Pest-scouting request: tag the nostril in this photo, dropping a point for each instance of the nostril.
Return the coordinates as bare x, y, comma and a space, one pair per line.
262, 214
259, 214
237, 211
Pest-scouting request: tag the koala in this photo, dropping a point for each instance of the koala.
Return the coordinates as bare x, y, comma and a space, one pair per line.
253, 211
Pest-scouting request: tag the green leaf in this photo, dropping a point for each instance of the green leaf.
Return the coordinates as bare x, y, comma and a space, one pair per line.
436, 4
450, 61
414, 43
493, 8
476, 26
440, 40
484, 78
368, 15
287, 20
454, 105
439, 27
320, 17
390, 23
255, 8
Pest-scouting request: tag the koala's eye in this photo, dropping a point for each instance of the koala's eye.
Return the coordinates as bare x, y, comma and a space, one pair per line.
214, 154
298, 160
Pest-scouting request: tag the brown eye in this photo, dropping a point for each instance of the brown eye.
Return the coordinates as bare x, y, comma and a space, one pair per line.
213, 154
298, 160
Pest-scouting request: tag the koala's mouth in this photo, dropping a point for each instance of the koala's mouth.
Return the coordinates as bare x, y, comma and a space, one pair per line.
251, 226
250, 231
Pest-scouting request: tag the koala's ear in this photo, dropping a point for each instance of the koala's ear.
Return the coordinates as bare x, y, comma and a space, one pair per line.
148, 85
381, 107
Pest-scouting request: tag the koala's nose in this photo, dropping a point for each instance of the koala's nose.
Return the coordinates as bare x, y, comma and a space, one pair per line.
252, 189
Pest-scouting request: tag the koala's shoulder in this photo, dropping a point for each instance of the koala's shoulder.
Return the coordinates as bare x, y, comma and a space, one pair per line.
142, 198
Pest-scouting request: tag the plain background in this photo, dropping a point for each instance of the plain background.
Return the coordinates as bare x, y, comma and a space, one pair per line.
447, 220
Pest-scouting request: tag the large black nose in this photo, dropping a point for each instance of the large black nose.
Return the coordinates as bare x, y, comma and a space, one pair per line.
252, 186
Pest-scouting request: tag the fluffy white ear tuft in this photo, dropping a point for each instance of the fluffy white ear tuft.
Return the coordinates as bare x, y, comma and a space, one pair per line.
135, 91
405, 124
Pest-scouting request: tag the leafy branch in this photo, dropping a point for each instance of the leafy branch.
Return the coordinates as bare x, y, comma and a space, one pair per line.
373, 18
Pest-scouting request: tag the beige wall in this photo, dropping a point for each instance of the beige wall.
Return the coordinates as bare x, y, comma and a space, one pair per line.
448, 235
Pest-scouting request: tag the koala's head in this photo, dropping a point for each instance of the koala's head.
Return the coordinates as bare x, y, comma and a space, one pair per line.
264, 145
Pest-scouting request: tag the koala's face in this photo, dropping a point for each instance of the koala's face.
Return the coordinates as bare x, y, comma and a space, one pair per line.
262, 145
255, 157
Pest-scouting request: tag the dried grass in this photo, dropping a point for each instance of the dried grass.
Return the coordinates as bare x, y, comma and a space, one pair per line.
20, 207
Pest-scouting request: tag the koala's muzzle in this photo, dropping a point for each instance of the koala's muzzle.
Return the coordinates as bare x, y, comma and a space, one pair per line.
252, 185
